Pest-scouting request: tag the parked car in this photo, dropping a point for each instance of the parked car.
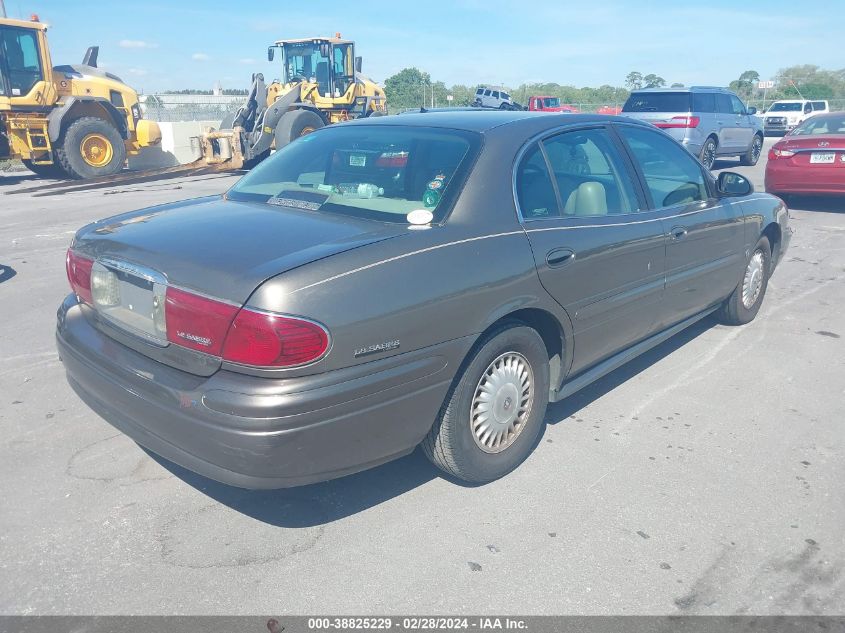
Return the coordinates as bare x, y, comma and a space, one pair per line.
391, 282
612, 110
709, 122
549, 104
810, 159
783, 116
494, 98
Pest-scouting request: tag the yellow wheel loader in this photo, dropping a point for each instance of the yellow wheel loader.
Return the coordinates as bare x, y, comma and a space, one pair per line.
321, 84
73, 121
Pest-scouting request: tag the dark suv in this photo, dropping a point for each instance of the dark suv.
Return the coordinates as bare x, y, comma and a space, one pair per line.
709, 122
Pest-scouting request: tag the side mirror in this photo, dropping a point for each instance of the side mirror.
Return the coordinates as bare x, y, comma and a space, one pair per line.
732, 184
752, 111
358, 62
271, 52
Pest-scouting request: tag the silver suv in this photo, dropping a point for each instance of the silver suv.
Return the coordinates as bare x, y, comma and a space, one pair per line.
709, 122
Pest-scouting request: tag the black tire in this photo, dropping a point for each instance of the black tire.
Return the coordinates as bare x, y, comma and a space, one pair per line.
69, 149
54, 171
734, 310
708, 152
451, 444
294, 124
751, 157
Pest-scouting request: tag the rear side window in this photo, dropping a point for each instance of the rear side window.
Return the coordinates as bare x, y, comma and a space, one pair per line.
817, 105
534, 190
672, 175
505, 95
658, 102
589, 174
723, 104
703, 102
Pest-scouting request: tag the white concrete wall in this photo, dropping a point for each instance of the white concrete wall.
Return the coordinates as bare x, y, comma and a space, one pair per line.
179, 145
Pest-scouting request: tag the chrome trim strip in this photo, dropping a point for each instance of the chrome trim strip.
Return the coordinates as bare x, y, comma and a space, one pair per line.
404, 255
134, 269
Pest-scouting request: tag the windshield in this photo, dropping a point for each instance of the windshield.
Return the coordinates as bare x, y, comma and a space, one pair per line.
551, 102
376, 172
306, 62
658, 102
821, 125
786, 107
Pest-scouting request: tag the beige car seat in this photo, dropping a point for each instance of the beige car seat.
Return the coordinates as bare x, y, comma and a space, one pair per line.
589, 198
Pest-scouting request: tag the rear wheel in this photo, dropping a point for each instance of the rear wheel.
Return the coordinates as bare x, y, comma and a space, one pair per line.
751, 157
45, 171
492, 418
91, 147
294, 124
745, 301
708, 152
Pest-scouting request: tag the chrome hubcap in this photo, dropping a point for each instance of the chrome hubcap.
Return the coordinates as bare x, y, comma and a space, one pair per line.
752, 284
502, 402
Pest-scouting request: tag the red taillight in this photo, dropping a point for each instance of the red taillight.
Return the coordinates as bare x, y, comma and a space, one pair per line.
197, 322
79, 275
262, 339
777, 152
679, 121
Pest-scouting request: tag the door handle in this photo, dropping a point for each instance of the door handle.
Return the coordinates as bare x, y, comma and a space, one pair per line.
678, 233
559, 256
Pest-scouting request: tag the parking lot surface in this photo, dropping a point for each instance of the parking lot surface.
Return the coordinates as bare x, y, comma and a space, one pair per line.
702, 478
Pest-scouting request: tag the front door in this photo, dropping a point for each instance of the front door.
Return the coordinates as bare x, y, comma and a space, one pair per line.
704, 235
596, 252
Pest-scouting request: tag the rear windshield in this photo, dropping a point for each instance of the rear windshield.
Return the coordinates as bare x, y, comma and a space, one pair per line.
378, 172
786, 107
833, 124
658, 102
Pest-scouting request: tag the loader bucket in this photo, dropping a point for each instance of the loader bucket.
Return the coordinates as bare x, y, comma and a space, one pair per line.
223, 146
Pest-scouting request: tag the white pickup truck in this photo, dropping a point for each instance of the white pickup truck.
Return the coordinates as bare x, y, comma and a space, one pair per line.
784, 116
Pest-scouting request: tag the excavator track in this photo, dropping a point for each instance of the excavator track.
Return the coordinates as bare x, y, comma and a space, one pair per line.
196, 168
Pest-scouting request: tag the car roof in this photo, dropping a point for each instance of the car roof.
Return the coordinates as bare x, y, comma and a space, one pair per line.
484, 121
684, 89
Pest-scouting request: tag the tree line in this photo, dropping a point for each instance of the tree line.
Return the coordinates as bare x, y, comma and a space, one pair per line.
413, 88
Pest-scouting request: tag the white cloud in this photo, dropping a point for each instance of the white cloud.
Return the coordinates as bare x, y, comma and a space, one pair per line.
137, 44
247, 60
200, 57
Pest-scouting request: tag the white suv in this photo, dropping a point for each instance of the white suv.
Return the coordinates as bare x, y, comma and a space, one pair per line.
784, 116
493, 98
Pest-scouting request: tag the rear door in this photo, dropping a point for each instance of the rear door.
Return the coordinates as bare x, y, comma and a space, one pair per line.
726, 122
704, 234
597, 254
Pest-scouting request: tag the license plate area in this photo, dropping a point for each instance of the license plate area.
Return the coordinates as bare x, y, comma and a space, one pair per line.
822, 158
131, 298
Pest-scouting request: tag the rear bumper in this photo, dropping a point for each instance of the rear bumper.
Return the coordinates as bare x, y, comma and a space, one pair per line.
786, 178
258, 432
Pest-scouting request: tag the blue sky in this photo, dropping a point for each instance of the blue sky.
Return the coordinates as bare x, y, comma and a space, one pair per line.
157, 45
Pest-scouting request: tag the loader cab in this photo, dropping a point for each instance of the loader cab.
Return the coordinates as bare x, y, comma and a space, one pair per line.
328, 62
25, 72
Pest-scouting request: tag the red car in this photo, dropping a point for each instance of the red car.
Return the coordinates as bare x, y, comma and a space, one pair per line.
606, 109
550, 104
810, 159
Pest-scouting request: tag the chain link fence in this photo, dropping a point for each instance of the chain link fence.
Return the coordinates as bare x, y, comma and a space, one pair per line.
166, 108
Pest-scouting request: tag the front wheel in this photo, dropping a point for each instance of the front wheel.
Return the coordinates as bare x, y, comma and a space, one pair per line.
745, 301
294, 124
91, 147
751, 157
492, 417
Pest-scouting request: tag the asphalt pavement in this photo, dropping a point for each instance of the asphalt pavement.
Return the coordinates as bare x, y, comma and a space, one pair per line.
705, 477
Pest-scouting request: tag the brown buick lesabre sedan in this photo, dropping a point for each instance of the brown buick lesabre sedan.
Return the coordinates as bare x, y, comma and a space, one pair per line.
432, 279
